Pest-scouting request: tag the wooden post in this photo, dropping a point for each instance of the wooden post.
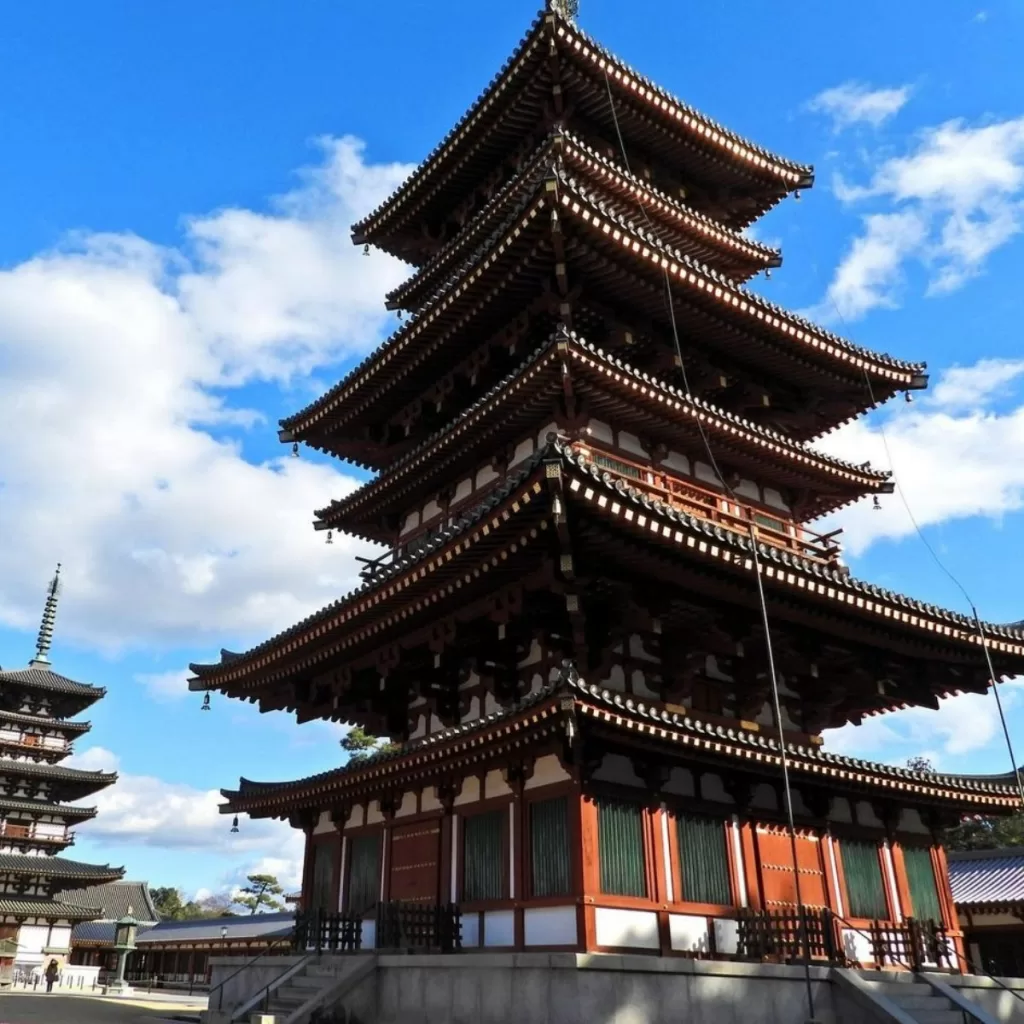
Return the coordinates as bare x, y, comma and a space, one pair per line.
591, 873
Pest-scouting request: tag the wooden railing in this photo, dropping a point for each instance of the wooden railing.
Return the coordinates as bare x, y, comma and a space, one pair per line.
10, 830
326, 931
736, 516
419, 927
815, 935
30, 741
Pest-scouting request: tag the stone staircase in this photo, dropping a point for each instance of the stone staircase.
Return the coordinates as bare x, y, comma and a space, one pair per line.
321, 983
910, 999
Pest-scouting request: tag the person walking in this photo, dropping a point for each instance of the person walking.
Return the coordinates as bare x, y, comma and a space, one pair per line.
52, 973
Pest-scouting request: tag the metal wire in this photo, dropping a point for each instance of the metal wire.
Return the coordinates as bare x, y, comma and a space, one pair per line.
773, 678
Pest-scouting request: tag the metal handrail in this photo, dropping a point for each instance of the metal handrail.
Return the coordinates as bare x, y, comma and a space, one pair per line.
220, 988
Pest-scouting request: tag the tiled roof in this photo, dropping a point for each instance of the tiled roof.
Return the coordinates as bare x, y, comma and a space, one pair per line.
45, 679
44, 722
603, 706
116, 900
987, 876
41, 906
8, 803
396, 568
249, 926
54, 771
100, 933
683, 407
702, 132
56, 867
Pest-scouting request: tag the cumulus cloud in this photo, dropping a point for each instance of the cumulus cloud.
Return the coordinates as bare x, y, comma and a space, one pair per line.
946, 206
142, 810
962, 725
856, 103
955, 453
119, 419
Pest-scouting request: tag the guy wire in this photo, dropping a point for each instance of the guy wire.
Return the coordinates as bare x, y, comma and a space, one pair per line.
791, 821
963, 590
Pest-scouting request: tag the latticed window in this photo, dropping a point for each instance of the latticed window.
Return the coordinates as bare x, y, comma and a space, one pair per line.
364, 872
549, 847
615, 466
703, 860
483, 848
620, 841
924, 893
323, 875
864, 886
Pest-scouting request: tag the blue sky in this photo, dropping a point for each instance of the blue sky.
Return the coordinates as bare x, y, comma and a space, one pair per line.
175, 275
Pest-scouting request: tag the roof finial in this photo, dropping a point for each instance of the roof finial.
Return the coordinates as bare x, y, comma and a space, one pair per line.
568, 9
45, 638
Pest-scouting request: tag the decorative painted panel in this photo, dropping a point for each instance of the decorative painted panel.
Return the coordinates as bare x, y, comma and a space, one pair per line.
415, 862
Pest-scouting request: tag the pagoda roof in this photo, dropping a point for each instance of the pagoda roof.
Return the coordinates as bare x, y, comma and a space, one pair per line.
45, 807
56, 724
513, 105
632, 398
56, 867
67, 696
564, 154
69, 779
542, 716
45, 907
507, 522
618, 258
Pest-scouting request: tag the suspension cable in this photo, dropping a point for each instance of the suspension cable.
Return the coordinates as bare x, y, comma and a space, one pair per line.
773, 678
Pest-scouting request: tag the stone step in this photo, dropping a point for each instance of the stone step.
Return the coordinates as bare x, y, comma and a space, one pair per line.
898, 989
312, 981
914, 1003
939, 1016
293, 996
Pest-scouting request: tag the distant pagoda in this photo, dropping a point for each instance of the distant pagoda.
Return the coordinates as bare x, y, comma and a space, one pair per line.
36, 734
565, 639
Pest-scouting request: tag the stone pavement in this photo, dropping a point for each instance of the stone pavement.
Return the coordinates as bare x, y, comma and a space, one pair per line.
16, 1008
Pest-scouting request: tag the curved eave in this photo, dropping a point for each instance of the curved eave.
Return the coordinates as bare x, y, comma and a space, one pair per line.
774, 334
701, 237
349, 625
780, 458
644, 722
741, 161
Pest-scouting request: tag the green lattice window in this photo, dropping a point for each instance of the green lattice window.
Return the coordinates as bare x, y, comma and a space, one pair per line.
364, 872
549, 847
864, 886
483, 856
924, 893
620, 841
703, 860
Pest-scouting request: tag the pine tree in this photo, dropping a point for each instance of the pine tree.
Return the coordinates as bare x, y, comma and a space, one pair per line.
263, 891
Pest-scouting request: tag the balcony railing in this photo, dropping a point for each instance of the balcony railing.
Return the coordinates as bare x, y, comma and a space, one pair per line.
30, 742
10, 830
736, 516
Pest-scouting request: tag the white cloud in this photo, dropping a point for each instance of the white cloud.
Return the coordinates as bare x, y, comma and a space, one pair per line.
948, 205
145, 811
120, 359
954, 455
856, 103
962, 725
165, 686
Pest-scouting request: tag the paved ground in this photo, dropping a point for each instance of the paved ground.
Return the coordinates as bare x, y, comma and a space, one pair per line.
55, 1009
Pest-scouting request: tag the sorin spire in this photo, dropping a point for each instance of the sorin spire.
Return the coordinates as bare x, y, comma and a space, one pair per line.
568, 9
45, 638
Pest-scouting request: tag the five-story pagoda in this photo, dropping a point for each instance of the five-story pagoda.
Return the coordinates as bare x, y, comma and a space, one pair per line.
578, 433
37, 731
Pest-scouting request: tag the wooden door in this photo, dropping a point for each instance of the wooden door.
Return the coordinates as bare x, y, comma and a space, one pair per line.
778, 884
416, 862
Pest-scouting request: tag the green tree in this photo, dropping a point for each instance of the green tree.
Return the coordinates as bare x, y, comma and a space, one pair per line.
263, 891
168, 902
360, 744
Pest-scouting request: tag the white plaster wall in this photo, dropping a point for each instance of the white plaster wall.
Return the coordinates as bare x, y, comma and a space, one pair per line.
680, 782
463, 489
841, 810
373, 814
429, 800
549, 926
600, 431
632, 929
631, 443
499, 928
680, 463
638, 682
547, 770
407, 807
619, 769
523, 451
323, 824
726, 935
688, 933
470, 792
910, 821
711, 788
616, 679
485, 476
495, 785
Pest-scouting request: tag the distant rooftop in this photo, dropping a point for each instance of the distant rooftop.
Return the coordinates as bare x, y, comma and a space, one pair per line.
987, 877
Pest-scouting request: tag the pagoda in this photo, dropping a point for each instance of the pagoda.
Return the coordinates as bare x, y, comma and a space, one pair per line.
581, 430
37, 732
